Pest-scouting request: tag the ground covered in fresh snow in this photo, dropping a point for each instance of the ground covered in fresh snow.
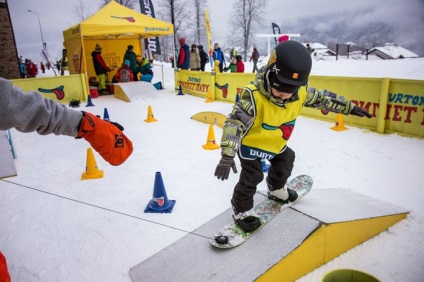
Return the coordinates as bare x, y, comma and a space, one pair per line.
56, 227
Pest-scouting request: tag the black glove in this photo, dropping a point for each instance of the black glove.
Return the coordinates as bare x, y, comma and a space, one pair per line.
222, 170
358, 111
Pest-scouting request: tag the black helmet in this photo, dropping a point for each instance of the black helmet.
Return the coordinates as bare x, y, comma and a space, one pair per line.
291, 63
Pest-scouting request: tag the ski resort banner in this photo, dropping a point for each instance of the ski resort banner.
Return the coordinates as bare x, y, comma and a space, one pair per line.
397, 105
276, 30
208, 34
152, 44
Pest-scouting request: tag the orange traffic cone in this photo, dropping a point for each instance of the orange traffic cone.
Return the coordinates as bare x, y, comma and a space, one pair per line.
210, 141
339, 123
208, 97
150, 117
91, 170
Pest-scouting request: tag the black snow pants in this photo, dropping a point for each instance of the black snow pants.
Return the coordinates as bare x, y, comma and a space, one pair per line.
251, 175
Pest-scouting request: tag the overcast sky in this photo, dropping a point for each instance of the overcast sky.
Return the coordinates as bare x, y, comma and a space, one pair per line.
407, 16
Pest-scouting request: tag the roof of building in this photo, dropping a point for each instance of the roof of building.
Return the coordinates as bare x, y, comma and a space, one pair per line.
392, 51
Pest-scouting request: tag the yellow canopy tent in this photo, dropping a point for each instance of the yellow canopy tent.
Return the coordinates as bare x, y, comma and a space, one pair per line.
113, 27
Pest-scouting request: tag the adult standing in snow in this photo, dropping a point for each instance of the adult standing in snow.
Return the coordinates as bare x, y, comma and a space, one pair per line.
132, 57
194, 58
255, 58
218, 55
204, 58
261, 124
183, 61
100, 67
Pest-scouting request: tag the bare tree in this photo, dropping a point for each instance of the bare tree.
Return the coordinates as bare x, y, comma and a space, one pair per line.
247, 13
176, 12
81, 11
199, 21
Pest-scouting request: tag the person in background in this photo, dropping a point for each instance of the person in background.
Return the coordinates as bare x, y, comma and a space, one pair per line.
261, 123
131, 56
194, 58
145, 69
232, 67
124, 73
43, 68
233, 53
255, 58
218, 55
183, 61
216, 66
30, 69
309, 48
204, 58
100, 68
22, 69
239, 64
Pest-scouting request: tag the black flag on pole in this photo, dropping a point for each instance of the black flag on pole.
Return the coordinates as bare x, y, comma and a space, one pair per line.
276, 30
152, 44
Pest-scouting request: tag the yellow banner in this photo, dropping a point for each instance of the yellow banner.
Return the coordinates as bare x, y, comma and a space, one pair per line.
208, 34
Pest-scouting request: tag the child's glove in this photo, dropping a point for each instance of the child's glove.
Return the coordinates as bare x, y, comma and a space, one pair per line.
358, 111
222, 170
106, 138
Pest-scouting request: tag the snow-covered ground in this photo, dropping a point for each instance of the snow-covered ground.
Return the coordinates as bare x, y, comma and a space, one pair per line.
56, 227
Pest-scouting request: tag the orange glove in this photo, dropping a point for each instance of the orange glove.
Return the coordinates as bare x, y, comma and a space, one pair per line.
106, 138
4, 274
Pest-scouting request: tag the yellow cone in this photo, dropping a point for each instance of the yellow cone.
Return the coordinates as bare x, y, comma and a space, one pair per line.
91, 170
210, 141
150, 117
208, 97
339, 123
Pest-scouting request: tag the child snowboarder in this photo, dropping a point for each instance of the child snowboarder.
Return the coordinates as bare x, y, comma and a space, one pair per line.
261, 123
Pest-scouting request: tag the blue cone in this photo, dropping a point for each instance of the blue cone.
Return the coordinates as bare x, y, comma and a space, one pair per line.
106, 115
265, 166
180, 90
89, 103
159, 202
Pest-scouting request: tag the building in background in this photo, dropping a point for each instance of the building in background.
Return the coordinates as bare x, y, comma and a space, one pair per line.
9, 66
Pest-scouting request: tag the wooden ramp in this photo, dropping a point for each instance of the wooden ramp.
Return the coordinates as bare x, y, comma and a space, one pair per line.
323, 225
7, 163
135, 90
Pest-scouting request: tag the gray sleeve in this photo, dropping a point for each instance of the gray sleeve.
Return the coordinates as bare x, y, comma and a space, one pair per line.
28, 112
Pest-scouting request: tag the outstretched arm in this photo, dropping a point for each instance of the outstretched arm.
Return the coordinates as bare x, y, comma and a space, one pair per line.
28, 112
325, 100
31, 112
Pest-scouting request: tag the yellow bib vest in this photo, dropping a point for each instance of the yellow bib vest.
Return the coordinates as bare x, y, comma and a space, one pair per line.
272, 126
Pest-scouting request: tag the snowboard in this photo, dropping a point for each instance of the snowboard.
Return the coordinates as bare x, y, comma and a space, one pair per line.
232, 235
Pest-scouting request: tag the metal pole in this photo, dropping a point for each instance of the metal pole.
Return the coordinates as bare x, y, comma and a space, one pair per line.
41, 31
